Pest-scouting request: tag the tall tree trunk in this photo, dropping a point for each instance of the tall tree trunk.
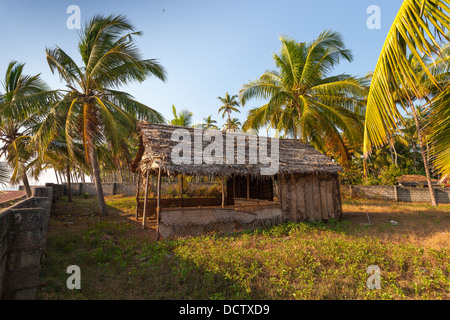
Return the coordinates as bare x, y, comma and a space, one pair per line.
26, 184
56, 174
98, 184
414, 154
391, 150
424, 156
396, 155
365, 170
61, 177
69, 185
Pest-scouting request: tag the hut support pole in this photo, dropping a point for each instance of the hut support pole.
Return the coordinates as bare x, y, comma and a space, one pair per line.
223, 191
145, 200
181, 190
248, 187
158, 204
234, 189
137, 194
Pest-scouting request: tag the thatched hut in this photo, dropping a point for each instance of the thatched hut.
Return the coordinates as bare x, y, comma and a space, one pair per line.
264, 180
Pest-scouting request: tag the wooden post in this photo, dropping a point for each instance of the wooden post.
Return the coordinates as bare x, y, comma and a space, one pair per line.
248, 187
223, 191
145, 200
181, 189
234, 187
158, 204
137, 194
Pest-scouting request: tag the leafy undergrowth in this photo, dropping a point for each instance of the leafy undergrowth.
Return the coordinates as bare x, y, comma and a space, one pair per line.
288, 261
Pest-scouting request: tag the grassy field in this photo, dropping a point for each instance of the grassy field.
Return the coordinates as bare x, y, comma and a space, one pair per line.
290, 261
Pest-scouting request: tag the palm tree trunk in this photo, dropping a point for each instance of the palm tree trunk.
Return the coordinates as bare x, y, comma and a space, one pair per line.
365, 170
69, 185
98, 183
390, 149
56, 174
26, 184
424, 157
395, 155
414, 154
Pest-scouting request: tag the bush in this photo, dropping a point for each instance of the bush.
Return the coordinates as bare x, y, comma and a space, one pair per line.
388, 176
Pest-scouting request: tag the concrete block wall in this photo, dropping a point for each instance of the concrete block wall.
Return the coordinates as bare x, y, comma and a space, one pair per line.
109, 188
23, 232
397, 193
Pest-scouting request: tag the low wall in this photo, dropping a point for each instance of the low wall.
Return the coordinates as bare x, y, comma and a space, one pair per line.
397, 193
23, 232
78, 189
109, 188
180, 222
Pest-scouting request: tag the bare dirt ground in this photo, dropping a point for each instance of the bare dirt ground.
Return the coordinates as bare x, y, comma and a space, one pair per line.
419, 224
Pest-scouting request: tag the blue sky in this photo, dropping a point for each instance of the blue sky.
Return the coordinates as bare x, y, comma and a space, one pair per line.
207, 47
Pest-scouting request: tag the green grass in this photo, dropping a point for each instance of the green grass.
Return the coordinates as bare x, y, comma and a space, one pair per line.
122, 203
288, 261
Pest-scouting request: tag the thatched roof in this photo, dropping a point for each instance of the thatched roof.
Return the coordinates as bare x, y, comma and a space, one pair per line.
157, 146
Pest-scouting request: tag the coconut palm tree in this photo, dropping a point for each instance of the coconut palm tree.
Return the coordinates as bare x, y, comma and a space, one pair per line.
230, 104
17, 122
209, 123
95, 112
305, 101
417, 30
182, 118
232, 125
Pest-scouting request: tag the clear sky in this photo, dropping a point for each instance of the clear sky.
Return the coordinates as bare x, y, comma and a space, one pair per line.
207, 47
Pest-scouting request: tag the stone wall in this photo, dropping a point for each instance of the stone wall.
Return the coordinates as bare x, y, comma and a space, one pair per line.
23, 232
109, 188
396, 193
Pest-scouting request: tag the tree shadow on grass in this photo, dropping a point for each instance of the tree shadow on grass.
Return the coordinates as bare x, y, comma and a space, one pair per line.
119, 260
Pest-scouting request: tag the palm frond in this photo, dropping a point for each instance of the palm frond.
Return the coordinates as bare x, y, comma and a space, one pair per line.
416, 29
4, 174
438, 131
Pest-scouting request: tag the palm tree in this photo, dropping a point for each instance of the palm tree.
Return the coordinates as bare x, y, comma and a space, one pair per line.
95, 112
182, 118
209, 123
232, 125
416, 31
16, 127
305, 101
230, 104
